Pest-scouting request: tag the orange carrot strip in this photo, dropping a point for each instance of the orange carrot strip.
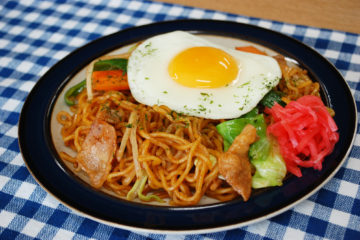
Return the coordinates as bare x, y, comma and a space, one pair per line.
109, 80
250, 49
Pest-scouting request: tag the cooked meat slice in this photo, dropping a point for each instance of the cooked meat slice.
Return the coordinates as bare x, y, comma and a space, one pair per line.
97, 152
234, 164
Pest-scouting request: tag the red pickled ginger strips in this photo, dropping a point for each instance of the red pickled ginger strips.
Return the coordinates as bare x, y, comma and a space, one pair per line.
305, 131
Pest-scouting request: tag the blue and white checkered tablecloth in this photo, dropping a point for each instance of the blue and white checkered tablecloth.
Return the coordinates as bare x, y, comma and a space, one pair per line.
34, 35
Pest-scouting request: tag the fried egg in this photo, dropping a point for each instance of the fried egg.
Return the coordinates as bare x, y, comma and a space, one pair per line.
196, 77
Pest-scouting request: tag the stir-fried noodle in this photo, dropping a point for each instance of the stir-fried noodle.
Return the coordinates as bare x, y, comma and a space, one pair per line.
165, 154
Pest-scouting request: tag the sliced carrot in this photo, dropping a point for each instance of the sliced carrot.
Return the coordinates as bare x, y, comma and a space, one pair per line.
250, 49
109, 80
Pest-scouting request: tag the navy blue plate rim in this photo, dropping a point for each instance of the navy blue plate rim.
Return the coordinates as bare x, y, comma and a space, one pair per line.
43, 162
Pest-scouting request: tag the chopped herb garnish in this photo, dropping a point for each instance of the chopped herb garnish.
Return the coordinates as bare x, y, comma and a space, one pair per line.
148, 49
244, 84
202, 108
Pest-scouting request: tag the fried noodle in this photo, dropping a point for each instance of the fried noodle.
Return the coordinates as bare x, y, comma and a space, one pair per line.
176, 153
295, 81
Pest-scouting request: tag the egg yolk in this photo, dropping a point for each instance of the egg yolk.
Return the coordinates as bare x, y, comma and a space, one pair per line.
203, 67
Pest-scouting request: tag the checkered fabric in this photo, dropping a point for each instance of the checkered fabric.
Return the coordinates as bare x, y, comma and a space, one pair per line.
34, 35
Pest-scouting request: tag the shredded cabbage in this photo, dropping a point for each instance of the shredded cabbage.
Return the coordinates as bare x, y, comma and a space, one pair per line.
137, 190
264, 154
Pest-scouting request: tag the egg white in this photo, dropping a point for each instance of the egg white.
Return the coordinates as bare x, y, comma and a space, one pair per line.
151, 84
